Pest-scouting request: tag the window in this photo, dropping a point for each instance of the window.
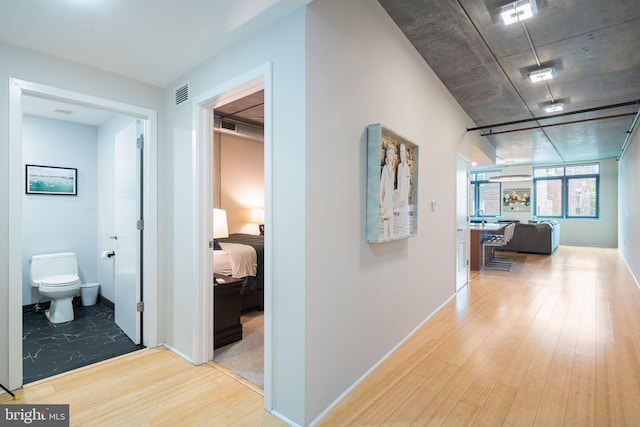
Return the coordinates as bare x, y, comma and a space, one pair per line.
548, 197
485, 195
567, 191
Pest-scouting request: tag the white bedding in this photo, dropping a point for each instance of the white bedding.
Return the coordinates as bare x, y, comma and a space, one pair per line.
236, 260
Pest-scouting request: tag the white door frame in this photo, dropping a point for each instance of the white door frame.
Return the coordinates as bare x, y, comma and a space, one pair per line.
18, 88
466, 223
202, 114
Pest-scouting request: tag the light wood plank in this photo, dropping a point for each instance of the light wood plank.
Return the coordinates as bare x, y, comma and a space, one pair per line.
495, 410
462, 415
409, 410
608, 409
580, 404
524, 408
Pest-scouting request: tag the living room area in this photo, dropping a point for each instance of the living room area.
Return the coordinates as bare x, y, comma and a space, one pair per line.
573, 204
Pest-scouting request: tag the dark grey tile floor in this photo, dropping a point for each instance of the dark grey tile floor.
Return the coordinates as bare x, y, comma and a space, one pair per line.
50, 349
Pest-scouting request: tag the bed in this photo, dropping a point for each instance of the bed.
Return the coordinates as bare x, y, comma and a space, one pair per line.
241, 256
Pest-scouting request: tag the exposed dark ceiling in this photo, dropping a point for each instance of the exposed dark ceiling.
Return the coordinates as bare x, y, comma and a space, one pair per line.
249, 109
594, 46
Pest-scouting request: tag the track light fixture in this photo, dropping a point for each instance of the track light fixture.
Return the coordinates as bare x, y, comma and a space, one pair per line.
518, 11
542, 74
554, 108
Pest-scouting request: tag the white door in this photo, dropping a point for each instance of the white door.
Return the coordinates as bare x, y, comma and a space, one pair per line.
128, 238
462, 201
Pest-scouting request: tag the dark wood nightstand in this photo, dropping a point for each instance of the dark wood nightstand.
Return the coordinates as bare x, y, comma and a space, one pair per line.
226, 311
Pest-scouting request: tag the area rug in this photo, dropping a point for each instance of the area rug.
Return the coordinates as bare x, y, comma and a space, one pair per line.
246, 357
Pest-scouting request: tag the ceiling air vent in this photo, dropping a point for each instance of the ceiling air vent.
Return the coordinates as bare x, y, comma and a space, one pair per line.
182, 95
224, 124
243, 130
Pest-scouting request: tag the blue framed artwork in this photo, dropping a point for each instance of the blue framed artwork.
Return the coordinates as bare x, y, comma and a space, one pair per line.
392, 186
51, 180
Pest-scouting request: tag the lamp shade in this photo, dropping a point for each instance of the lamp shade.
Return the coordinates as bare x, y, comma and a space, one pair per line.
220, 229
257, 215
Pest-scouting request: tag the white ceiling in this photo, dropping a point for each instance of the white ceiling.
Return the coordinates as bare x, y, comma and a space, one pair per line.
58, 110
154, 41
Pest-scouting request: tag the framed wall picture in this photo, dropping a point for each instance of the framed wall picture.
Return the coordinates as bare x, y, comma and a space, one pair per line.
392, 185
516, 199
51, 180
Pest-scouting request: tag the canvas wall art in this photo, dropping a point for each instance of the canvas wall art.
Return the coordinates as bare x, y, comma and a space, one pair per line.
392, 185
516, 200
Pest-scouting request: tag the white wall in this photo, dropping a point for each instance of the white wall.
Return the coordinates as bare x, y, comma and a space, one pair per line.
106, 202
604, 230
363, 299
517, 215
322, 102
282, 46
60, 223
242, 181
27, 65
580, 232
629, 205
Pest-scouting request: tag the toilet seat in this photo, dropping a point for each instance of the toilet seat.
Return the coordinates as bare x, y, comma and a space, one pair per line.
61, 280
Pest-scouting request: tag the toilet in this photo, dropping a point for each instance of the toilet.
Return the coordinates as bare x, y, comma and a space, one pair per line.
56, 277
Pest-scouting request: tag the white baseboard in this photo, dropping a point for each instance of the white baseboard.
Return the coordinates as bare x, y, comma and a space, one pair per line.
284, 419
179, 353
375, 366
635, 279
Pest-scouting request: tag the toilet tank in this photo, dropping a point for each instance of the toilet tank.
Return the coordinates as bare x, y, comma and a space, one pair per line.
52, 265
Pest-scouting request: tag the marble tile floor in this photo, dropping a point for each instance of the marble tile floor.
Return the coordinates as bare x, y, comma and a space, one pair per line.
50, 349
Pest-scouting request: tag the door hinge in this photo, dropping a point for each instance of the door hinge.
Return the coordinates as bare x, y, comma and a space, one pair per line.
140, 307
140, 141
140, 224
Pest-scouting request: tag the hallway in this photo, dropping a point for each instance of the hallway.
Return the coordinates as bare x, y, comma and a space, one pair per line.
551, 343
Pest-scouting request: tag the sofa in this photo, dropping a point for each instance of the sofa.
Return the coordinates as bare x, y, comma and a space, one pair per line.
536, 237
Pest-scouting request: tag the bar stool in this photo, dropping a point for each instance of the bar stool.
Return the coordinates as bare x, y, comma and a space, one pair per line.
489, 246
487, 253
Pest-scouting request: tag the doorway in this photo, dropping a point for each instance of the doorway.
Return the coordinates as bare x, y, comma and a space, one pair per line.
137, 120
238, 193
203, 110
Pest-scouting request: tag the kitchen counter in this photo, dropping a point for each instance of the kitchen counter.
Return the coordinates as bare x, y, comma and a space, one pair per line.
478, 234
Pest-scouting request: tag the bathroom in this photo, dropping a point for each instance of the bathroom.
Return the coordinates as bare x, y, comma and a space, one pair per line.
101, 148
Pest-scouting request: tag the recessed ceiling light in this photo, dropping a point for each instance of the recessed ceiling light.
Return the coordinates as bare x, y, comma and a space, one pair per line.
518, 11
554, 108
542, 74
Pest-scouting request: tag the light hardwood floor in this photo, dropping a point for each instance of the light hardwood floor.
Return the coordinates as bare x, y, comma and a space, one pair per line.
554, 342
151, 387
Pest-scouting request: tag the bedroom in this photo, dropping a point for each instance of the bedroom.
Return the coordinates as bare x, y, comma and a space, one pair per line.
238, 190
